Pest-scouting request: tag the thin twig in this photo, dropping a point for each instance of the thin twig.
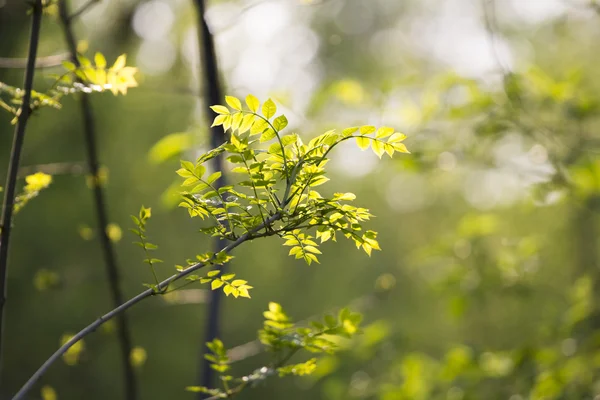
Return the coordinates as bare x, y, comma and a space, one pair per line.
81, 10
212, 95
15, 156
250, 235
108, 252
41, 62
64, 168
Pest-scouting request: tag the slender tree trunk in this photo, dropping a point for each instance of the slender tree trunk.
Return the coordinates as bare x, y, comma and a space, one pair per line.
13, 166
212, 95
108, 252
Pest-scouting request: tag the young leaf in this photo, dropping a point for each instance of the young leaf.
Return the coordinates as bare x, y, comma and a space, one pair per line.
253, 103
234, 103
269, 109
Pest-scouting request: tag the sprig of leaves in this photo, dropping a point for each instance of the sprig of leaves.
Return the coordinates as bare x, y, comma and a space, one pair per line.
140, 222
269, 163
284, 340
88, 77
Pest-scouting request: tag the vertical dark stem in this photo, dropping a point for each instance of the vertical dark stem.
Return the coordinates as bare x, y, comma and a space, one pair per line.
112, 270
212, 95
15, 156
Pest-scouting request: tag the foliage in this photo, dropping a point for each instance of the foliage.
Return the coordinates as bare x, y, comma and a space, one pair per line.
283, 338
85, 78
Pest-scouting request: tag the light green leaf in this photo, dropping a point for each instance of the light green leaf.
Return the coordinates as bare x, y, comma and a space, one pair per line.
217, 283
100, 60
269, 108
233, 102
363, 142
213, 177
378, 148
280, 122
253, 103
367, 129
267, 135
220, 109
383, 132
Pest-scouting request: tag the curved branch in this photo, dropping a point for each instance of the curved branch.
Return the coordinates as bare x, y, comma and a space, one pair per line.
250, 235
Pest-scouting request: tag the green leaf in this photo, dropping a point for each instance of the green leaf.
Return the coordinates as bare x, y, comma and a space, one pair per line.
396, 137
219, 120
267, 135
220, 109
253, 103
378, 148
280, 122
259, 127
246, 124
384, 132
187, 165
69, 65
213, 177
100, 60
269, 109
363, 142
199, 170
184, 173
233, 102
367, 129
349, 131
213, 273
217, 283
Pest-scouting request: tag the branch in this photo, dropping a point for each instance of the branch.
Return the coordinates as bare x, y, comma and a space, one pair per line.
15, 156
108, 252
64, 168
81, 10
41, 62
250, 235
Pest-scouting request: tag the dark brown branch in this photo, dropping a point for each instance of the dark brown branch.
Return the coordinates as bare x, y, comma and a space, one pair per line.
250, 235
108, 252
15, 156
41, 62
212, 95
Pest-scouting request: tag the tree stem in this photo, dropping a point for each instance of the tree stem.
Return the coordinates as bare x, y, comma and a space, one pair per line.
108, 252
13, 166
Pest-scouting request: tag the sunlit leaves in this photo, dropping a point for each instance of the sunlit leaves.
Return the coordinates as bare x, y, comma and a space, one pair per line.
233, 102
280, 122
118, 78
269, 109
140, 222
252, 103
34, 183
301, 369
229, 285
303, 247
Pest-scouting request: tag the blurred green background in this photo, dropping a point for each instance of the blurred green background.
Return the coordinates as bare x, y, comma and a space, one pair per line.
487, 284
